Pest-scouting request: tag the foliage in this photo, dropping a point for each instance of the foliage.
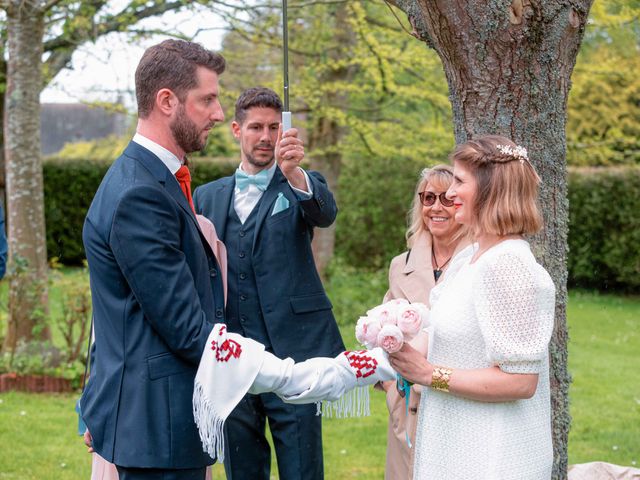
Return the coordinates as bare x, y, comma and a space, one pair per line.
220, 144
102, 149
74, 319
604, 107
33, 358
604, 242
375, 196
30, 288
353, 64
41, 358
353, 291
69, 186
68, 319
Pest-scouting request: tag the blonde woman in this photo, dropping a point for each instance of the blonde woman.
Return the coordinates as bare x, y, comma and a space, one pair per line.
433, 239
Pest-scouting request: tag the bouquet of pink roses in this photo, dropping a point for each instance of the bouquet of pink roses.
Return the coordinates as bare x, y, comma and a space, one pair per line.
391, 324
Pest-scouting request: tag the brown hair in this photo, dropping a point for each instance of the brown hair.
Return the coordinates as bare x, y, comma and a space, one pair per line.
172, 64
256, 97
441, 177
506, 199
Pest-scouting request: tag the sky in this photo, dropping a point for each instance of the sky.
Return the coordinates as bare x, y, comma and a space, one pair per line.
104, 70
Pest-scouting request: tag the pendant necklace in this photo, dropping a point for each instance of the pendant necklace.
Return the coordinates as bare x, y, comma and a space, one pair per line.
438, 270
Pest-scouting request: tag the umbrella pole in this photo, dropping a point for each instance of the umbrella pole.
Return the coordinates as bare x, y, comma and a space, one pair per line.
286, 114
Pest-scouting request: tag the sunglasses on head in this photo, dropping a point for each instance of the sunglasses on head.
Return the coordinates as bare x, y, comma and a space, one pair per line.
429, 198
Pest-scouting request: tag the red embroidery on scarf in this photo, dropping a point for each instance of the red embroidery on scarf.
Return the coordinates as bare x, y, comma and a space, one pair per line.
227, 349
363, 364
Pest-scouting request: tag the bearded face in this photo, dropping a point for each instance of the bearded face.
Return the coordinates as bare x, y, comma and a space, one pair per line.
186, 133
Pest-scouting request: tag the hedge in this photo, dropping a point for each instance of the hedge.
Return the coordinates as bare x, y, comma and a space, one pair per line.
604, 228
69, 187
604, 232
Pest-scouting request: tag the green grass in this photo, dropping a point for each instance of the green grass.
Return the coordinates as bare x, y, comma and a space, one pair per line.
604, 354
38, 438
605, 397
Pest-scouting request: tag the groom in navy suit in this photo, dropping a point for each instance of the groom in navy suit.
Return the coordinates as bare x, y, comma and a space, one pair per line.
155, 282
266, 214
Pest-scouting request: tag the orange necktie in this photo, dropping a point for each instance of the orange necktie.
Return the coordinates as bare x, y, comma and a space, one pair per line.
184, 179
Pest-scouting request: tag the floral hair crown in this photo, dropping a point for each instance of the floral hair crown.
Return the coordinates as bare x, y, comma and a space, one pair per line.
517, 152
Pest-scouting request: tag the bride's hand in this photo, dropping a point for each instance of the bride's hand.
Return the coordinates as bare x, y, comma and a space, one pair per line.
412, 365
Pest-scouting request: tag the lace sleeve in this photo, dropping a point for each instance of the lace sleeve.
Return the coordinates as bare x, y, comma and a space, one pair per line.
514, 299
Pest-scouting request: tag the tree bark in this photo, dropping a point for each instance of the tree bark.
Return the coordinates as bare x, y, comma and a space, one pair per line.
23, 166
508, 65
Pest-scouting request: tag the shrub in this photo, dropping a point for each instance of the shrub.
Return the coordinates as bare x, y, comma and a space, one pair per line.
604, 228
374, 198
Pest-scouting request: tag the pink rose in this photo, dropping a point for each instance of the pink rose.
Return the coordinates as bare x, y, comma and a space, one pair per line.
385, 313
390, 338
367, 330
411, 319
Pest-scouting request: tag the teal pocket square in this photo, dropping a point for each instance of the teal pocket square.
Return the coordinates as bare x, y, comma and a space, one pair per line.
281, 204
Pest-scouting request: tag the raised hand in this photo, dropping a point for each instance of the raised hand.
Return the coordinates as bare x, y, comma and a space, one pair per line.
289, 152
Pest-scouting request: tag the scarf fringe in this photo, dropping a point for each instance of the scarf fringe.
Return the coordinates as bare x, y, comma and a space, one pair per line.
354, 403
210, 424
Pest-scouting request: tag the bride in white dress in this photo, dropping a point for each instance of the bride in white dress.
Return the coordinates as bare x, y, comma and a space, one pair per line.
487, 415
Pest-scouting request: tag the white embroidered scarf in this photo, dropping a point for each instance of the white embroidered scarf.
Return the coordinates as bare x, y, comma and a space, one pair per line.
229, 365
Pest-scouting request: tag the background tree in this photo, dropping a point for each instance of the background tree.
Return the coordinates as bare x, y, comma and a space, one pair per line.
353, 73
604, 108
508, 65
31, 29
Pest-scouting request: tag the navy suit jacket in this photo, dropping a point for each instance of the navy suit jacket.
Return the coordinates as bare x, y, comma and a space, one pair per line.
156, 289
296, 310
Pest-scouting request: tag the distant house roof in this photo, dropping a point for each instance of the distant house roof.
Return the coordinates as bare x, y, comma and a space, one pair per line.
62, 123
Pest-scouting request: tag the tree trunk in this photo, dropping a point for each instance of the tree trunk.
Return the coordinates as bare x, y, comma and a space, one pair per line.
23, 166
327, 133
3, 81
508, 66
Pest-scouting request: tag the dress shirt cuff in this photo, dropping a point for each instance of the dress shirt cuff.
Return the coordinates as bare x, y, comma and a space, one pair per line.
301, 194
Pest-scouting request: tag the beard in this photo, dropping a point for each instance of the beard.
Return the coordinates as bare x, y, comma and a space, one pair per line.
186, 133
259, 162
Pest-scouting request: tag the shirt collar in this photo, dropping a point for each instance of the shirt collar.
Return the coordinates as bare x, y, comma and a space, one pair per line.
172, 162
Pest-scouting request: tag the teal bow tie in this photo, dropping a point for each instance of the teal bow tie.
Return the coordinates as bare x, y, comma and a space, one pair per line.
260, 179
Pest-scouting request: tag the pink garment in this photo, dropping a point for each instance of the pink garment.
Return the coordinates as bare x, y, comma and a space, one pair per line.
102, 470
602, 471
219, 250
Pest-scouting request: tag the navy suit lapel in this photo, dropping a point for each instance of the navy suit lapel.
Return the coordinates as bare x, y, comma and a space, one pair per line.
267, 200
222, 198
160, 171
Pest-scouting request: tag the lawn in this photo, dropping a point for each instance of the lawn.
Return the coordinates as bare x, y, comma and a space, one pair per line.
38, 439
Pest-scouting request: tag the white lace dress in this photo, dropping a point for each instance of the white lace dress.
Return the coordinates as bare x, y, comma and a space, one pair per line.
496, 311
